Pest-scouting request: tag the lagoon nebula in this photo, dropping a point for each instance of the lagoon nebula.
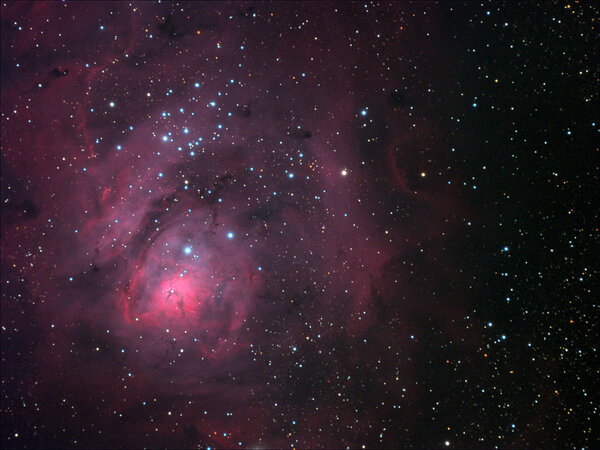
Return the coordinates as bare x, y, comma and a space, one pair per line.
277, 225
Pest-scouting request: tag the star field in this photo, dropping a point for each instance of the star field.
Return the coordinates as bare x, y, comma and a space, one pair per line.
299, 225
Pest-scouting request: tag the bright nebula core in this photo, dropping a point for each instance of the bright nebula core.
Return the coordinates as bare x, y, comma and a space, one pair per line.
246, 226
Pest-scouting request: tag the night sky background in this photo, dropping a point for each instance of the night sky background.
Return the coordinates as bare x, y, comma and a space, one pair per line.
276, 225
